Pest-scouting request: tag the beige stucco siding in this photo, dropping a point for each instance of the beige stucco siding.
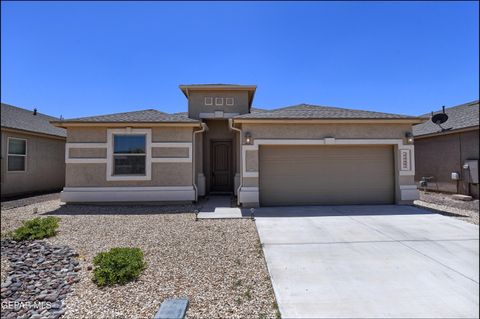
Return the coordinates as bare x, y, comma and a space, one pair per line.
317, 131
196, 102
163, 174
251, 160
166, 174
453, 149
45, 165
87, 135
88, 153
169, 152
171, 134
99, 134
347, 135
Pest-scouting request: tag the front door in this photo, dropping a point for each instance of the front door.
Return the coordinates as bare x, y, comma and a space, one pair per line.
221, 170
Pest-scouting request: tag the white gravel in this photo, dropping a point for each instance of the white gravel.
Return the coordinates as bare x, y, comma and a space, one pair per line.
217, 264
446, 205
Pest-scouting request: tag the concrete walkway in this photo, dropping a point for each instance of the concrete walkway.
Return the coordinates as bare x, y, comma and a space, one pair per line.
370, 262
216, 207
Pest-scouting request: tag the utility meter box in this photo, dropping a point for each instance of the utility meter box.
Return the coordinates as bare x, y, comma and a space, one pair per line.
455, 176
472, 170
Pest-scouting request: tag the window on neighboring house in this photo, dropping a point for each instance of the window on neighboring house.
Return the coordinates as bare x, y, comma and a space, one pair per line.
229, 101
208, 100
129, 155
17, 154
219, 101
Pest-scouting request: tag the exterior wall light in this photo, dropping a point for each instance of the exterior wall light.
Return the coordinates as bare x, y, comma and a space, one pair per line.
248, 138
409, 137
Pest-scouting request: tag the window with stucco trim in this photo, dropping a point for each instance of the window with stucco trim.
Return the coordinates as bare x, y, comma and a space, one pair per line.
219, 101
129, 154
229, 101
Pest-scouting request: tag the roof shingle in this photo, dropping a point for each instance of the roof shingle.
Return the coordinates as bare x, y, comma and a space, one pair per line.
459, 117
22, 119
144, 116
308, 111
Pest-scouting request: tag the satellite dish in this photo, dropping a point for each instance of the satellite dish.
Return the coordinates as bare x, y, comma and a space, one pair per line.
439, 118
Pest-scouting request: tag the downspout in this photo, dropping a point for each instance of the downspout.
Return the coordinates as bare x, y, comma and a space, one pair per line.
194, 163
230, 123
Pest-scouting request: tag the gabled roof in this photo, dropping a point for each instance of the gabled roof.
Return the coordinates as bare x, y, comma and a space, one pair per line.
308, 111
459, 117
21, 119
144, 116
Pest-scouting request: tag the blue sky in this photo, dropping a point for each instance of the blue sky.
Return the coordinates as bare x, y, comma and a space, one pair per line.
86, 58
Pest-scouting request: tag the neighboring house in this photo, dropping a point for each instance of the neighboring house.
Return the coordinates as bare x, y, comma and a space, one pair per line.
302, 154
439, 153
33, 152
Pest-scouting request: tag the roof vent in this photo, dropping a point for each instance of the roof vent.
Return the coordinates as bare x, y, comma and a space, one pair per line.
35, 111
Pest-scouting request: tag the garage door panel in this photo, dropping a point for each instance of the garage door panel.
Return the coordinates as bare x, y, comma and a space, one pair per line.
294, 175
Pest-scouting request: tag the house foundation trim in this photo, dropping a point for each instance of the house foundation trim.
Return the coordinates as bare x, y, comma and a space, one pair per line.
127, 194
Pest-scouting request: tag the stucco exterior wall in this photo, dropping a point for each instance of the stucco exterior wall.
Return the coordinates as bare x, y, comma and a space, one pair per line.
305, 131
405, 189
173, 176
99, 134
45, 165
163, 174
87, 135
439, 156
196, 102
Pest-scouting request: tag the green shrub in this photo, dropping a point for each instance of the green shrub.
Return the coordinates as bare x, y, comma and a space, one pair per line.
37, 228
118, 266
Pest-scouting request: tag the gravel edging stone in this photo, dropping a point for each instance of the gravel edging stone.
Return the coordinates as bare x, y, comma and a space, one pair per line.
39, 278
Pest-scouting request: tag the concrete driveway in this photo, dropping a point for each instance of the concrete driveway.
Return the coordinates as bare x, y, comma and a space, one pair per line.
370, 261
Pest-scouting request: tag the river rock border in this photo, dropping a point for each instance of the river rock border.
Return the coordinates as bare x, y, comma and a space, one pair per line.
40, 277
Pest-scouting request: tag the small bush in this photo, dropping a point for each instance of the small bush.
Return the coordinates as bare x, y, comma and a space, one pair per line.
37, 228
118, 266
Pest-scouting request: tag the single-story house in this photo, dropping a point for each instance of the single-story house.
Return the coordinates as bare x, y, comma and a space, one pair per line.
302, 154
447, 155
33, 152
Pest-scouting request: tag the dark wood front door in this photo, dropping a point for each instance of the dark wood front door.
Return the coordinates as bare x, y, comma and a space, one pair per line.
221, 170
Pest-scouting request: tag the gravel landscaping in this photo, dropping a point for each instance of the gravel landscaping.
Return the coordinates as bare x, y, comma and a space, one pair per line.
217, 264
39, 278
444, 204
4, 267
23, 201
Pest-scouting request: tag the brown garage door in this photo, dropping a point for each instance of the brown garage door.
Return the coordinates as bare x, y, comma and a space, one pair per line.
308, 175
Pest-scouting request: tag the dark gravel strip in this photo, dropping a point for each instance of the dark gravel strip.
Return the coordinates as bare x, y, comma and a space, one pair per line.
40, 277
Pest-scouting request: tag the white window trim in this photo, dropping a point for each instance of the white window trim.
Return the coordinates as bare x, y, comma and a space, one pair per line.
148, 154
232, 102
210, 99
220, 99
24, 155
